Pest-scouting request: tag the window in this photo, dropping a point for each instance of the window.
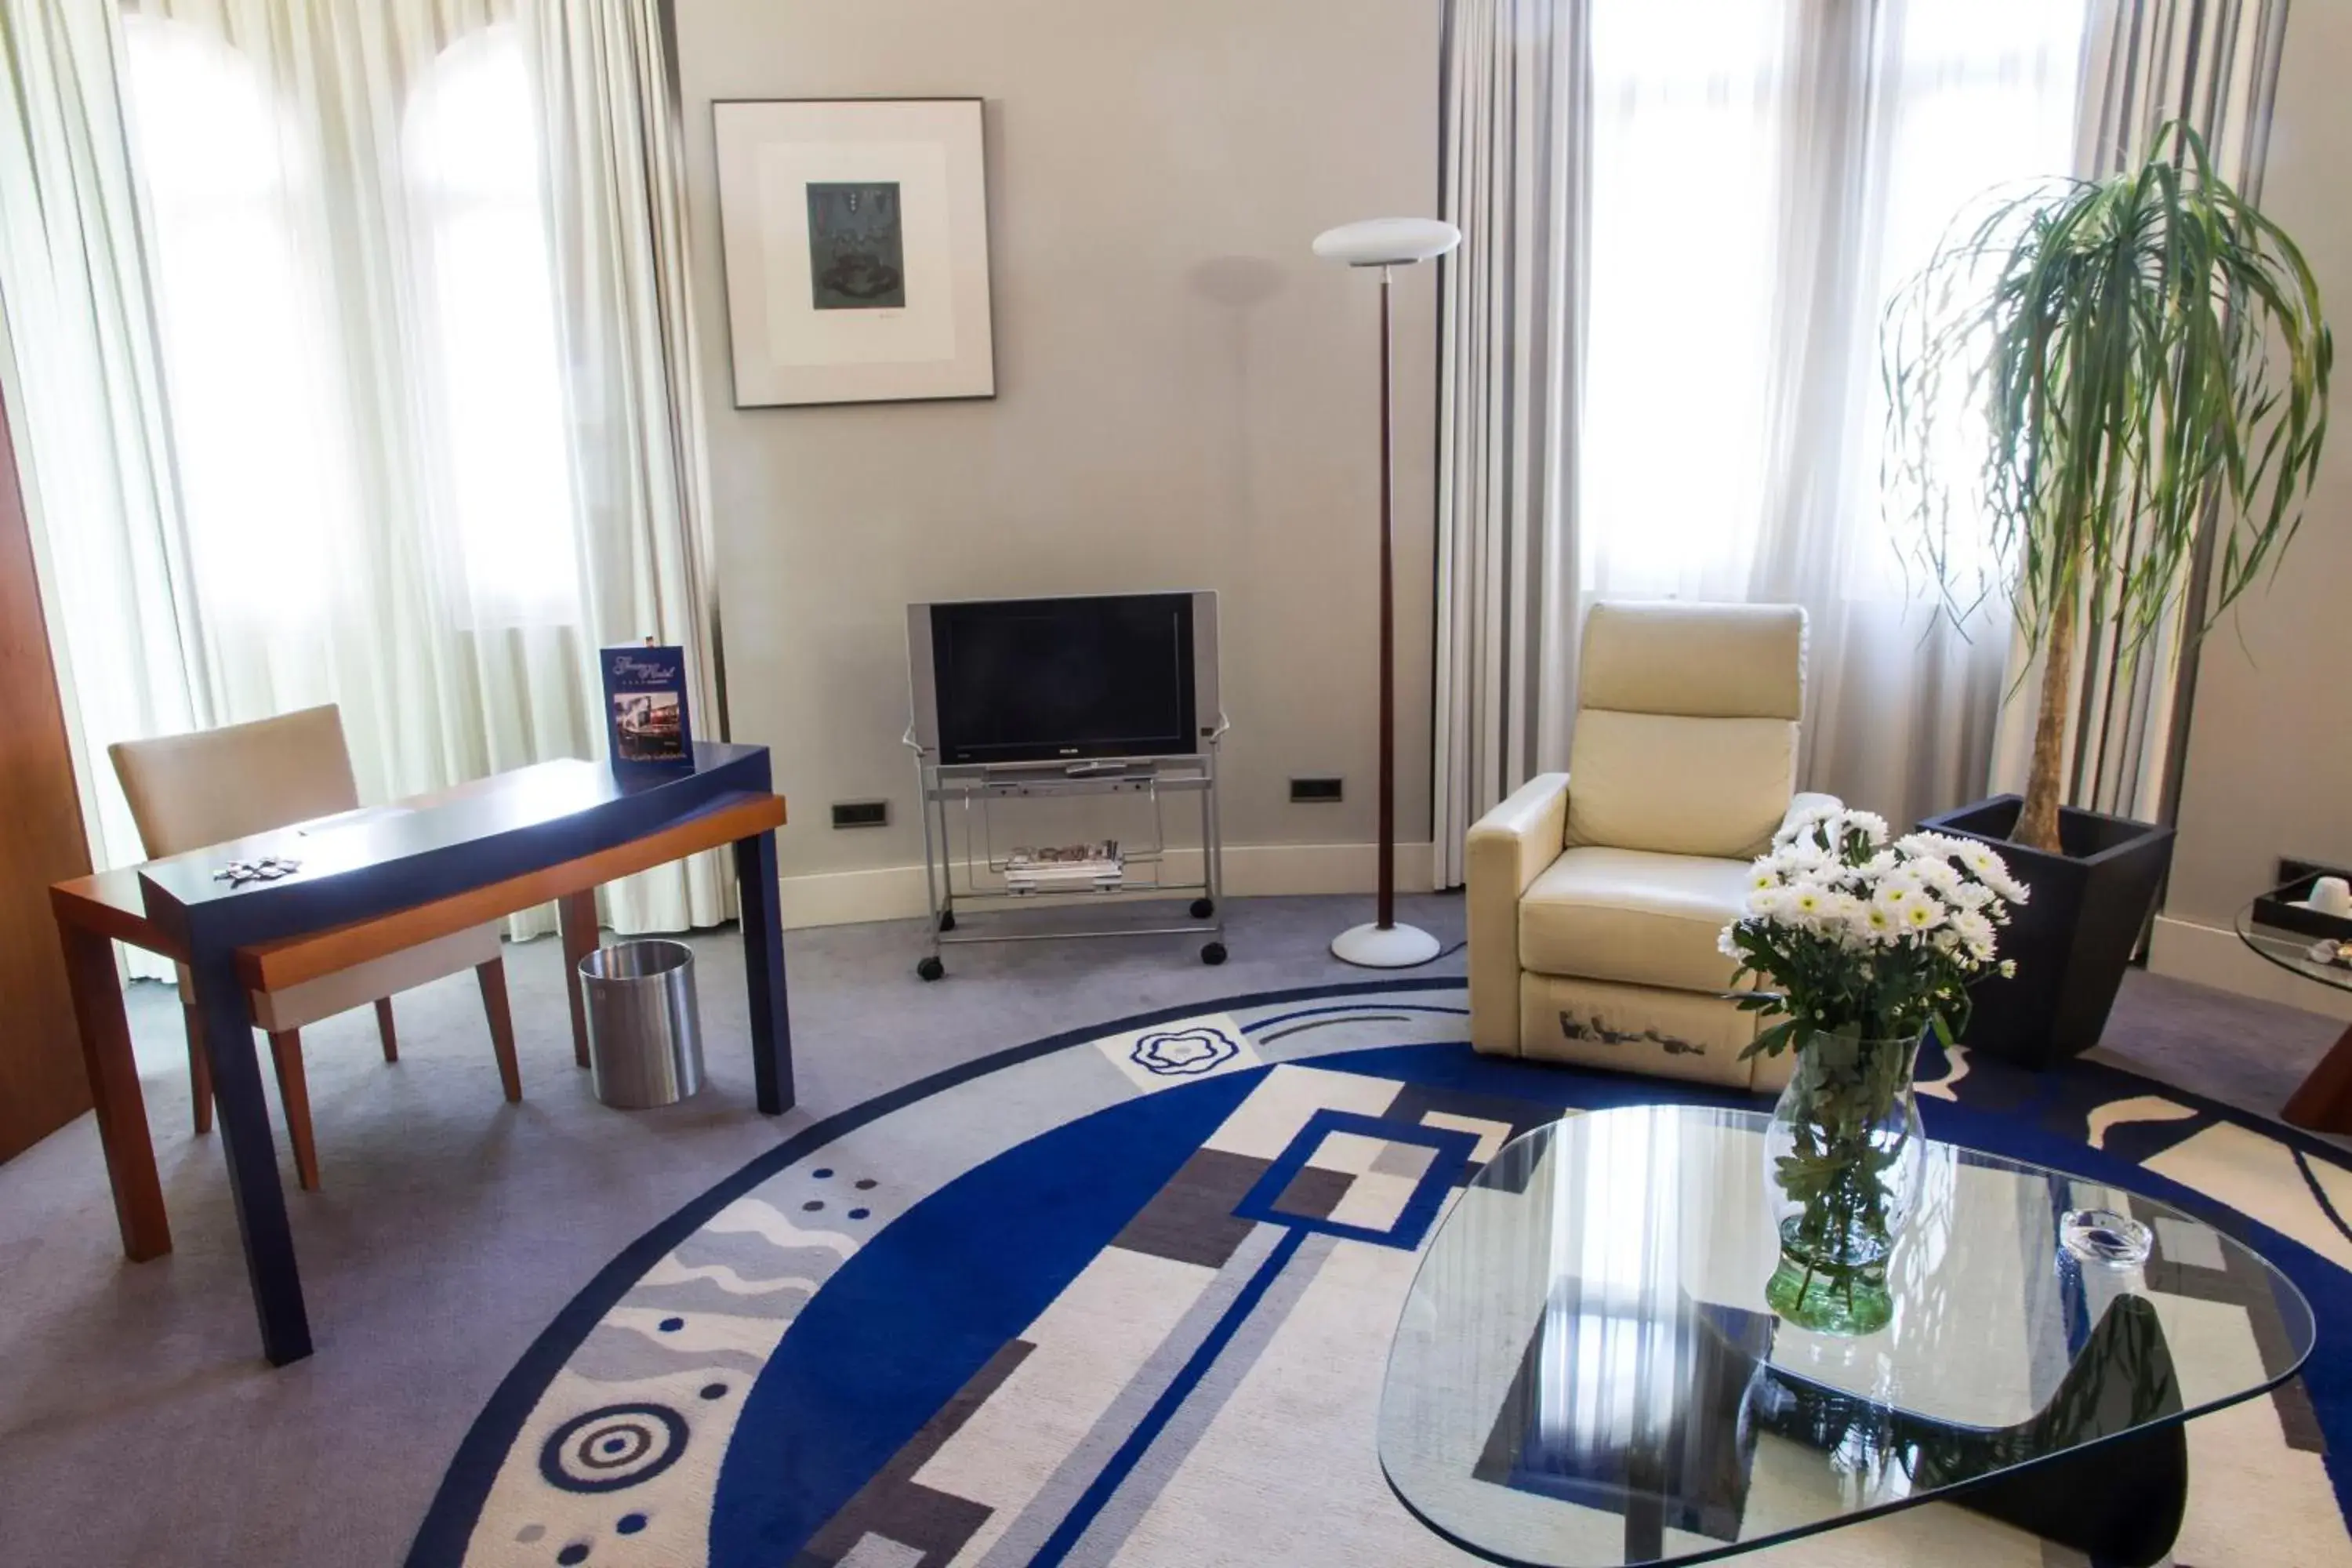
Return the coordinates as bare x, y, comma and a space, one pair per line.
472, 158
252, 386
1752, 211
332, 420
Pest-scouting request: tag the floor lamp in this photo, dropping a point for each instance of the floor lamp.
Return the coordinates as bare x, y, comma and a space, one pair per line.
1386, 243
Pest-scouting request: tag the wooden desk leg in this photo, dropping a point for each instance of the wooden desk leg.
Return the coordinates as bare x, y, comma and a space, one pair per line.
113, 1072
576, 914
756, 893
254, 1184
2324, 1103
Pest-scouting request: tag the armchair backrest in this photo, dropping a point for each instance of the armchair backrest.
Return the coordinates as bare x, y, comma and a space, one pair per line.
1685, 737
189, 791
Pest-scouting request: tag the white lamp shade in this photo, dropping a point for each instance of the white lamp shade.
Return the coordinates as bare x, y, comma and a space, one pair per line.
1387, 241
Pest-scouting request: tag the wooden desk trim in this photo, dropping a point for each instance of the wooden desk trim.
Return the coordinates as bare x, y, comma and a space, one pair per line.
277, 965
107, 903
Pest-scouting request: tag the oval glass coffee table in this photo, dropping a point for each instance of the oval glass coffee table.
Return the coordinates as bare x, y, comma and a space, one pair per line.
2323, 1103
1586, 1374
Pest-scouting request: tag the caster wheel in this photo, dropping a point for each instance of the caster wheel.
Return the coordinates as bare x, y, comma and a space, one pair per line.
930, 969
947, 920
1214, 953
1203, 908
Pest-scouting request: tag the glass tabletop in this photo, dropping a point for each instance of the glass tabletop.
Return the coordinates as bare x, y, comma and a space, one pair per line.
1586, 1372
2289, 949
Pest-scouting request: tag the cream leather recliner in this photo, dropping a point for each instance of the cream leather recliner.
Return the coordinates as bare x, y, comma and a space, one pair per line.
1597, 895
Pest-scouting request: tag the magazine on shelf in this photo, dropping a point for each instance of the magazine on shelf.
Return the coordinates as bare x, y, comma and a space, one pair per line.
1065, 866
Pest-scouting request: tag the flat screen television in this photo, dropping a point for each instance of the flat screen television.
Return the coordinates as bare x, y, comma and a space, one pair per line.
1047, 680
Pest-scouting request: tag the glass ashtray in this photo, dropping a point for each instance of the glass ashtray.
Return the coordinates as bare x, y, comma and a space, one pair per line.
2103, 1236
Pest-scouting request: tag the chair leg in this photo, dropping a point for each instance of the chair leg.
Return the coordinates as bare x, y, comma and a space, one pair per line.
285, 1051
384, 1029
492, 978
200, 1068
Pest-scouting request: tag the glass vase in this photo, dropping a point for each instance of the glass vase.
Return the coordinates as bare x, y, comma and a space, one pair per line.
1843, 1157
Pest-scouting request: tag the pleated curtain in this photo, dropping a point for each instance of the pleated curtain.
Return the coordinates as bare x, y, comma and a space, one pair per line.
351, 362
2213, 65
1515, 180
1660, 364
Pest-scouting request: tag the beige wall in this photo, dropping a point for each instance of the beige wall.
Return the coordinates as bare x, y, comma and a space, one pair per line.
1185, 397
2269, 747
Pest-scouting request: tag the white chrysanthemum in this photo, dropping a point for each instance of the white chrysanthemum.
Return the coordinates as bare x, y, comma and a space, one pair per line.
1869, 824
1922, 914
1762, 874
1939, 875
1810, 899
1929, 846
1803, 859
1724, 943
1975, 931
1971, 896
2007, 886
1765, 902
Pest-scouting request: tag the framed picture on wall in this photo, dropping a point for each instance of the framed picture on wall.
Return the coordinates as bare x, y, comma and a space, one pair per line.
855, 237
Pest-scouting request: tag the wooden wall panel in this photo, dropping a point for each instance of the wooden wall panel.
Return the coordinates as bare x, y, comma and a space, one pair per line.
41, 841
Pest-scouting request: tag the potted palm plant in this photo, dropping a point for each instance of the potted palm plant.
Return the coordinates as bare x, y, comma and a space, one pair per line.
2103, 396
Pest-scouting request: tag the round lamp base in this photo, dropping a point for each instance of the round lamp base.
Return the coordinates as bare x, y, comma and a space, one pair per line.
1397, 947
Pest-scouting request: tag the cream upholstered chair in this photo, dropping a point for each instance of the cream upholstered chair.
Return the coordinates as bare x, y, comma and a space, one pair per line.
1597, 895
190, 791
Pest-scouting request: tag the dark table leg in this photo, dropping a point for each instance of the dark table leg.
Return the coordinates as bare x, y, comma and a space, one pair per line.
113, 1073
254, 1184
2104, 1469
763, 971
2324, 1103
2120, 1501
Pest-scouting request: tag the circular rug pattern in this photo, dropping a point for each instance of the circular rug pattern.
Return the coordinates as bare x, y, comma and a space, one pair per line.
1027, 1311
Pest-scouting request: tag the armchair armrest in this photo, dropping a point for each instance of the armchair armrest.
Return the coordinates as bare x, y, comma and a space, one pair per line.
1507, 850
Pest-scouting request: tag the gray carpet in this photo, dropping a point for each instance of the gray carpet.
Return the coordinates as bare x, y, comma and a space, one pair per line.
138, 1424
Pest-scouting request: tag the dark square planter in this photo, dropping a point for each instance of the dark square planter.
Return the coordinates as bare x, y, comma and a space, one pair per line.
2072, 938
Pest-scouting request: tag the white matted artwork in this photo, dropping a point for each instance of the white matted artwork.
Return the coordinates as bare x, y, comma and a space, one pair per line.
855, 237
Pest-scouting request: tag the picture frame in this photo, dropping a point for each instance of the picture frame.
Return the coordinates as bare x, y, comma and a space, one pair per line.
854, 238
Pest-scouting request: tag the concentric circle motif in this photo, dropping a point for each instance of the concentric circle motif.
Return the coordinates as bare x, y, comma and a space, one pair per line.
612, 1448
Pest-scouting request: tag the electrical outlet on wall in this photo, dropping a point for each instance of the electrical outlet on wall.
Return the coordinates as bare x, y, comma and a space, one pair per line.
861, 814
1315, 791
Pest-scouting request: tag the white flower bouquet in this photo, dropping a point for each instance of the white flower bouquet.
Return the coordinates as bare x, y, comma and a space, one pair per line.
1862, 946
1853, 935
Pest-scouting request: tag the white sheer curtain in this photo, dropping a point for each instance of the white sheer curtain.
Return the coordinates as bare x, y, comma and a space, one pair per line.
1765, 176
1727, 192
318, 405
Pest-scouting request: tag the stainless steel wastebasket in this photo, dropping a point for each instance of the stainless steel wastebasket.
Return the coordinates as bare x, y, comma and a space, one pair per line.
644, 1036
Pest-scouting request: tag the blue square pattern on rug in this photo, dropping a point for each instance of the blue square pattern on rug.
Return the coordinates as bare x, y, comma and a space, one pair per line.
1450, 1156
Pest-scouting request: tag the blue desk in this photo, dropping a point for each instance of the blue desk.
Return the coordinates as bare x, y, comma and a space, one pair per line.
506, 844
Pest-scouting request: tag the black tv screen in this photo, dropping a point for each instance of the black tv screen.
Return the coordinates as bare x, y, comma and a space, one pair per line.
1045, 679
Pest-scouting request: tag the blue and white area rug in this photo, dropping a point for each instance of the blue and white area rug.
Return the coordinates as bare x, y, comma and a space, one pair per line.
1041, 1309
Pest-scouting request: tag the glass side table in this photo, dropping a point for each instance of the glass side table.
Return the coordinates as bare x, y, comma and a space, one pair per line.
1586, 1375
2324, 1101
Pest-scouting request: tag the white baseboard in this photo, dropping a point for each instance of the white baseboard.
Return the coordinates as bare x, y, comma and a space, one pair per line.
2210, 955
895, 892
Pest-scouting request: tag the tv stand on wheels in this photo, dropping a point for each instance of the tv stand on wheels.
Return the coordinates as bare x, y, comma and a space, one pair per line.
967, 871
